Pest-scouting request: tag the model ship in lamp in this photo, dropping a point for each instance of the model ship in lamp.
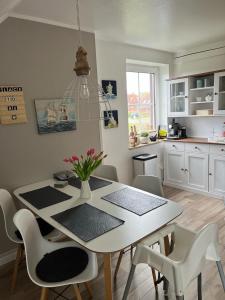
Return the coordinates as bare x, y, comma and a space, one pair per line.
55, 115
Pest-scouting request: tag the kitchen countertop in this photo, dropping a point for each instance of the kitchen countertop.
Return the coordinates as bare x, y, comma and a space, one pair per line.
196, 140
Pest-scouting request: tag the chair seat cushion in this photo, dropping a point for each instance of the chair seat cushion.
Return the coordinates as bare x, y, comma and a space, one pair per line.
62, 264
45, 228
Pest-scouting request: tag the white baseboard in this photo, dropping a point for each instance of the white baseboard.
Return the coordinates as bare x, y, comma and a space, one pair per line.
188, 189
7, 257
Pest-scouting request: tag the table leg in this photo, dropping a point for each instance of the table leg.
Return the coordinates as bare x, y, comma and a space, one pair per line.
167, 245
108, 277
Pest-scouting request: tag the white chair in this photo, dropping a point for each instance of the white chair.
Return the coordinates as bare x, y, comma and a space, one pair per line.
107, 171
9, 209
185, 263
37, 249
150, 184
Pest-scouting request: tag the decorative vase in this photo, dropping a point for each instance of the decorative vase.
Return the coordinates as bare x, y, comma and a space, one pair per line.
85, 191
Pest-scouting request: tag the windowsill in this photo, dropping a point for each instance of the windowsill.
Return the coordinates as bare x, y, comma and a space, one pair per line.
144, 145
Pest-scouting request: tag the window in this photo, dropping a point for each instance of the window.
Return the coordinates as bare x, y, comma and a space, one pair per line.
141, 101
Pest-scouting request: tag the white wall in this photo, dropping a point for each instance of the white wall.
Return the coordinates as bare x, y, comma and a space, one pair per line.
111, 64
40, 58
200, 63
202, 126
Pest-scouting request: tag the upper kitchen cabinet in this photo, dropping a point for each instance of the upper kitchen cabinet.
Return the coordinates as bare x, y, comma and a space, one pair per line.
219, 104
178, 98
197, 95
201, 95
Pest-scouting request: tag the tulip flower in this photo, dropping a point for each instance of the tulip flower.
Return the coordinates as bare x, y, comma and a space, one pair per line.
74, 158
84, 166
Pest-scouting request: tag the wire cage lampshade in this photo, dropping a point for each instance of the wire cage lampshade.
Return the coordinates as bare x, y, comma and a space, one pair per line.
90, 99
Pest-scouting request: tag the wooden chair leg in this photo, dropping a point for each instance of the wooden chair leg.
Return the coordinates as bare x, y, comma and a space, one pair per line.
77, 292
88, 287
154, 279
44, 293
118, 264
167, 245
16, 266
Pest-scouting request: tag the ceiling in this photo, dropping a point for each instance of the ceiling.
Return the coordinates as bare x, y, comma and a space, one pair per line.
170, 25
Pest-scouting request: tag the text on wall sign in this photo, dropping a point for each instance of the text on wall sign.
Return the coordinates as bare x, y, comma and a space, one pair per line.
12, 106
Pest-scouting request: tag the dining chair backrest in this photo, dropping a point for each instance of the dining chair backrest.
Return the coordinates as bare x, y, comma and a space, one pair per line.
150, 184
107, 172
35, 244
9, 209
204, 246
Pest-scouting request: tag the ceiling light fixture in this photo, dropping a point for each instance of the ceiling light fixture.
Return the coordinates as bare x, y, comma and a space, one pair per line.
81, 68
88, 99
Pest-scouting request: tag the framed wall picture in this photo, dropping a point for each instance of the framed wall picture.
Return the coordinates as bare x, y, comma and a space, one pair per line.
111, 119
55, 115
110, 89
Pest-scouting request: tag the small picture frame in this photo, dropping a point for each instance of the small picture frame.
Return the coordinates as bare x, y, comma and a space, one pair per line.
110, 89
55, 115
111, 119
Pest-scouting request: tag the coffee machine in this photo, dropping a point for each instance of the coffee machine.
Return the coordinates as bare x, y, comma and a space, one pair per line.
176, 131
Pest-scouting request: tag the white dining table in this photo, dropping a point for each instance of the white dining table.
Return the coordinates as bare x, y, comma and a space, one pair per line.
134, 229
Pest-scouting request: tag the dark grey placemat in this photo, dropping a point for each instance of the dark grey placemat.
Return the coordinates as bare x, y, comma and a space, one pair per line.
87, 222
135, 201
45, 197
94, 182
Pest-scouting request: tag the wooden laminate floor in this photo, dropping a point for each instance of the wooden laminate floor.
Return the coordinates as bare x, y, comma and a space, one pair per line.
198, 211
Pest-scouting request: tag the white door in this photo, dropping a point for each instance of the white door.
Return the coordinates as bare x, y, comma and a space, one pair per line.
178, 98
174, 167
219, 104
196, 170
217, 174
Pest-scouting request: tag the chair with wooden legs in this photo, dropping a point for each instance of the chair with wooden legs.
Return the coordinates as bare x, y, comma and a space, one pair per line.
9, 209
153, 185
107, 172
53, 264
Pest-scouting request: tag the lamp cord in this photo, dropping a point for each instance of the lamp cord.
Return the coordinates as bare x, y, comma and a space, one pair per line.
78, 21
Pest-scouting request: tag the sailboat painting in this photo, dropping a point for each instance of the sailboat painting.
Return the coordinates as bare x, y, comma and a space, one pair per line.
55, 115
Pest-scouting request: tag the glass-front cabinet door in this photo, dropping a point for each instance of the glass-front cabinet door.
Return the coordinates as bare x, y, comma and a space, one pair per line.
219, 103
178, 98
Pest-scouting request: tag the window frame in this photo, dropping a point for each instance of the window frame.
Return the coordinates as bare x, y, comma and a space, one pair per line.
150, 70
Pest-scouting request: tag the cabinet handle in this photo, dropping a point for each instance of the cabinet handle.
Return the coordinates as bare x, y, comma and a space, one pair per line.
186, 170
215, 93
182, 169
185, 96
222, 150
210, 174
196, 148
173, 146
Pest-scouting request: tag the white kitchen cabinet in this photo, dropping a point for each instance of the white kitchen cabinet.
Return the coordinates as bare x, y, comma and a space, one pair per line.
196, 170
217, 174
178, 98
219, 97
174, 167
187, 165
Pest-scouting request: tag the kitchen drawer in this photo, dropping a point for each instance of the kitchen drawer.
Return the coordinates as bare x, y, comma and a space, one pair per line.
173, 146
217, 149
197, 148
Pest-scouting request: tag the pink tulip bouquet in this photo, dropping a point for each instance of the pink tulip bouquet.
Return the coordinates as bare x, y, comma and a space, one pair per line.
83, 166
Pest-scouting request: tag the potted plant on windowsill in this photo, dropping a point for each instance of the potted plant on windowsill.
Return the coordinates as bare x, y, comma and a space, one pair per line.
83, 167
144, 138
